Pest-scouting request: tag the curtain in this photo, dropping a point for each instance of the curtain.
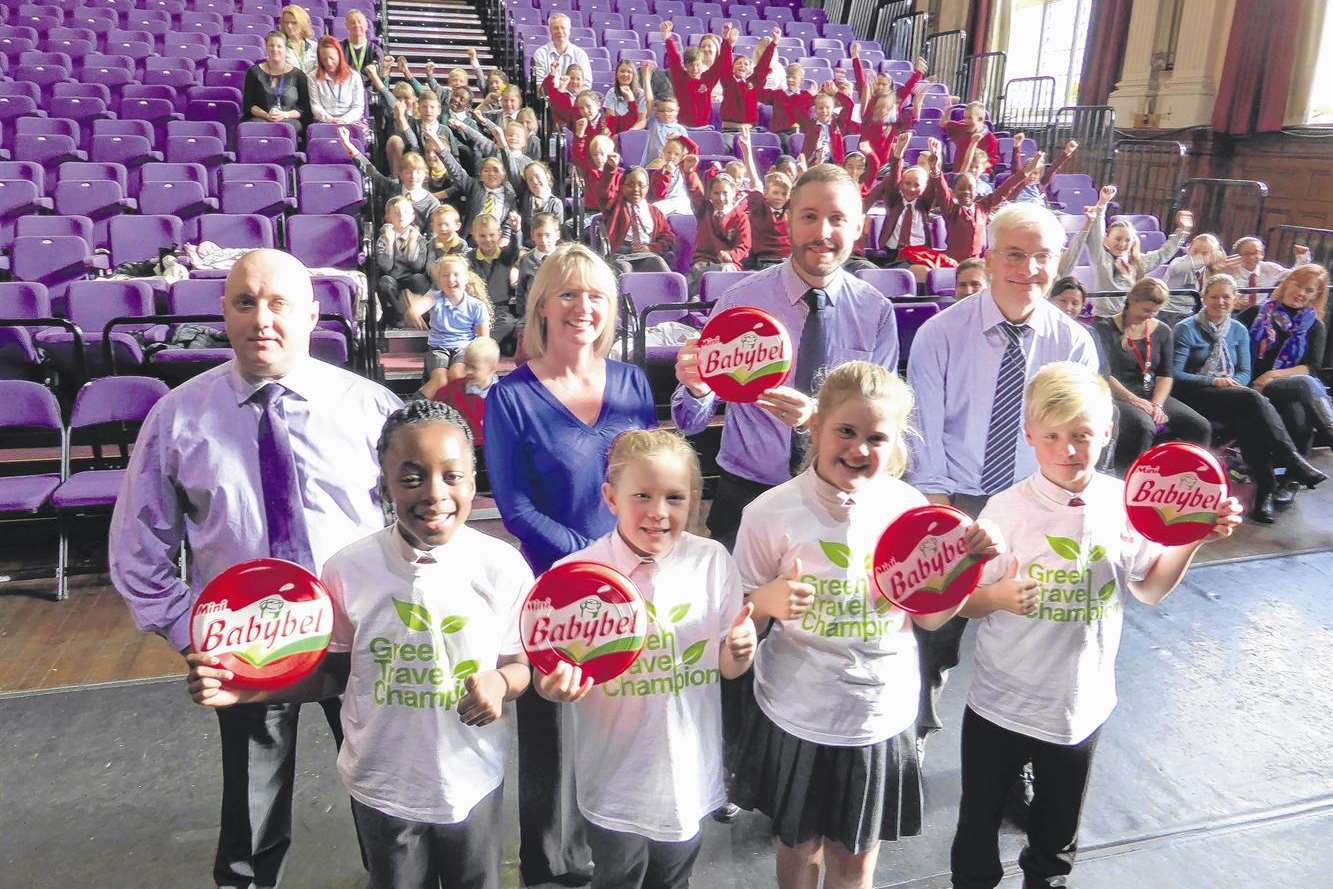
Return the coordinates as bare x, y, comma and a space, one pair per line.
978, 26
1257, 72
1108, 34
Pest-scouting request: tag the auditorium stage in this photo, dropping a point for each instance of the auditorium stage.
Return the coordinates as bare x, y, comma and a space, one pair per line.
1213, 773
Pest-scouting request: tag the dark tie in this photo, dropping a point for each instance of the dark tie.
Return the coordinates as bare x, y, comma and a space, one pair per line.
905, 227
1077, 501
811, 361
284, 513
997, 467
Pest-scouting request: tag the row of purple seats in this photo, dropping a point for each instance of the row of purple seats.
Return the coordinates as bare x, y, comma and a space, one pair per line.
663, 7
102, 411
642, 20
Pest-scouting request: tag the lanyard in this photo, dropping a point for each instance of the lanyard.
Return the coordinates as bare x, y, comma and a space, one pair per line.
358, 58
1144, 361
279, 85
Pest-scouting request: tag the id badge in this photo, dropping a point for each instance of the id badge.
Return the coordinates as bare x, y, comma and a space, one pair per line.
1147, 382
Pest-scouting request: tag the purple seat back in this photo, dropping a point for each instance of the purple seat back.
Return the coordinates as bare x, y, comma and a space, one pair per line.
100, 200
1149, 241
714, 284
331, 241
126, 399
53, 261
93, 303
328, 173
17, 199
941, 282
257, 173
90, 171
686, 228
644, 289
132, 151
139, 128
28, 405
224, 112
135, 238
326, 151
236, 229
49, 226
184, 200
1142, 222
266, 150
1076, 199
196, 296
83, 91
892, 283
329, 197
47, 126
24, 299
910, 317
49, 151
259, 128
263, 197
175, 172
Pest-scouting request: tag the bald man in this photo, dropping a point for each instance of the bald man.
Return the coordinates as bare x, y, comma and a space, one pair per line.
270, 454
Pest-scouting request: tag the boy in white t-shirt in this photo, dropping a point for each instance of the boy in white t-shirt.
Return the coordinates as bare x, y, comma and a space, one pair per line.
425, 652
1049, 615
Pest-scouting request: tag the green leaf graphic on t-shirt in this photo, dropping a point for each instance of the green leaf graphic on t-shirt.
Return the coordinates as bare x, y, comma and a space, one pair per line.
414, 616
1064, 547
453, 623
652, 611
839, 554
1097, 554
1107, 590
882, 605
694, 652
464, 669
677, 614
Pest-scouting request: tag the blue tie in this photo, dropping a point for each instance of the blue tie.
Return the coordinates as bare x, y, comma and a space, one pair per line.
284, 514
811, 362
997, 468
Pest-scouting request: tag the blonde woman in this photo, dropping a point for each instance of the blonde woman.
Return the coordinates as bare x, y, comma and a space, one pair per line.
295, 26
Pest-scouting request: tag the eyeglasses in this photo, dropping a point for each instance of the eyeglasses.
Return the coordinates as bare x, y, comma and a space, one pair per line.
1015, 257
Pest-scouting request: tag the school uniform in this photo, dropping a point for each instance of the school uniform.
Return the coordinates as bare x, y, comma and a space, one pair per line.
770, 232
470, 401
694, 95
881, 134
740, 97
494, 271
528, 267
452, 327
630, 226
966, 226
1083, 552
648, 744
907, 237
1110, 273
788, 109
437, 250
425, 787
829, 136
387, 187
960, 135
402, 269
497, 202
721, 242
829, 751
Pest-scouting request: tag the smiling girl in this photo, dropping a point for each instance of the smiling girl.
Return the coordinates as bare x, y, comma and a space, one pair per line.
828, 754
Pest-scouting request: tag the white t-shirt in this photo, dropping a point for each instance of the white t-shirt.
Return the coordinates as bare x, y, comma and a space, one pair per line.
845, 674
648, 744
415, 632
1052, 676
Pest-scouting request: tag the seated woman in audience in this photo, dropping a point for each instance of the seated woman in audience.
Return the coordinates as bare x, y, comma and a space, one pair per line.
402, 254
411, 181
722, 240
1247, 265
883, 115
1114, 251
626, 95
1069, 296
358, 49
295, 25
1212, 374
336, 92
1287, 339
276, 91
637, 234
770, 226
1202, 260
1138, 354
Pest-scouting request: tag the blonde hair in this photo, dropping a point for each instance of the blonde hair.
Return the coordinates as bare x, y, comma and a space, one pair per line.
482, 220
413, 233
602, 141
570, 265
640, 444
302, 19
1321, 276
779, 177
1135, 251
1148, 290
871, 382
1218, 280
1064, 390
413, 161
528, 118
438, 266
482, 348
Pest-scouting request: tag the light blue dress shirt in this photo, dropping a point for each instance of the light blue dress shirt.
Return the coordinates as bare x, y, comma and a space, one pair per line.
952, 368
194, 476
755, 444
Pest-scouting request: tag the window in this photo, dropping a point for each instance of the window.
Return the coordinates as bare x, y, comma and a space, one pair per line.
1047, 39
1321, 87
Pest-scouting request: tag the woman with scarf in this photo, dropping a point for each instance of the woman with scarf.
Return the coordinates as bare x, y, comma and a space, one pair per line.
1213, 375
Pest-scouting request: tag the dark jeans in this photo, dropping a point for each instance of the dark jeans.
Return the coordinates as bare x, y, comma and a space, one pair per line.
1294, 398
991, 757
258, 773
418, 855
390, 291
1137, 430
639, 262
551, 830
937, 651
629, 861
505, 328
1253, 419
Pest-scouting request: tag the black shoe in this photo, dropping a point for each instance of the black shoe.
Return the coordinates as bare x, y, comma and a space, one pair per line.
1263, 508
1301, 472
726, 813
1285, 495
573, 878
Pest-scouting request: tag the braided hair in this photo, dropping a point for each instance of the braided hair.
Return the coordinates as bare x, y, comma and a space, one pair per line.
418, 413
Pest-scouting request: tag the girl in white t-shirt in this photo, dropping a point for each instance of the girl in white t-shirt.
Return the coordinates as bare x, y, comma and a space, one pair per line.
828, 754
648, 743
425, 652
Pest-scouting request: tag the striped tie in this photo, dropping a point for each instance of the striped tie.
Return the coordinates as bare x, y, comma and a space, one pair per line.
997, 468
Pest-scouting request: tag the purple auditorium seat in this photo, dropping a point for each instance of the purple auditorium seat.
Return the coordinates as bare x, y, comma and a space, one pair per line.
52, 261
224, 8
213, 94
203, 22
910, 317
47, 126
814, 15
18, 198
19, 358
26, 171
77, 90
644, 289
940, 282
326, 151
714, 284
208, 152
1142, 222
686, 228
74, 47
131, 151
271, 129
328, 342
90, 305
49, 151
225, 113
95, 171
100, 201
255, 173
1071, 180
187, 201
135, 238
251, 24
39, 57
99, 21
174, 172
40, 18
1076, 199
81, 110
15, 108
186, 128
892, 283
155, 111
261, 197
177, 78
54, 226
219, 76
846, 33
27, 407
21, 88
329, 197
15, 39
268, 150
332, 241
187, 49
236, 230
140, 128
329, 173
45, 76
633, 143
1150, 241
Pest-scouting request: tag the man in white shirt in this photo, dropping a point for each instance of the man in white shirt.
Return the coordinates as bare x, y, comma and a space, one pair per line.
559, 51
270, 454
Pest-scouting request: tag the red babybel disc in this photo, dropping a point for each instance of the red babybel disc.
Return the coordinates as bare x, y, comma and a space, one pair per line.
921, 562
1173, 492
267, 620
742, 352
586, 614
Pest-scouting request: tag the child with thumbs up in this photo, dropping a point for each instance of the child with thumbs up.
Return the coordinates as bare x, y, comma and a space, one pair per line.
648, 743
425, 652
828, 753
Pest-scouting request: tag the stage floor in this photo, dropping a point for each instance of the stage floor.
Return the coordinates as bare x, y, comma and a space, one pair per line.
1212, 773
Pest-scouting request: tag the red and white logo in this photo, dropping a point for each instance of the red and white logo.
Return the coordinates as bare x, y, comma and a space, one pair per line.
268, 621
586, 614
742, 352
1173, 491
921, 561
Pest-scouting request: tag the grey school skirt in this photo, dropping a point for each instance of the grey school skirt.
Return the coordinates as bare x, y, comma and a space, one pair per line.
855, 795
